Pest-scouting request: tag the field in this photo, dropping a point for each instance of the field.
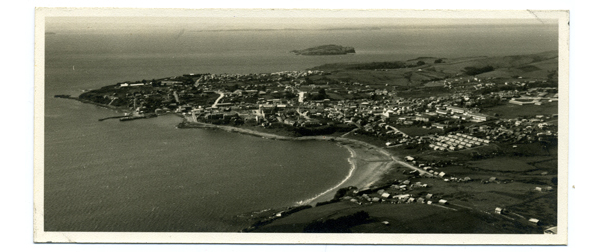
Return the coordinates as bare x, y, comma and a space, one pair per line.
509, 110
403, 218
502, 164
419, 131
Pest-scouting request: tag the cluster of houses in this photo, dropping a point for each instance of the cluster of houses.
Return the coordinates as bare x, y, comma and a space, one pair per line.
462, 113
264, 77
543, 189
457, 141
518, 130
433, 173
533, 221
252, 101
395, 194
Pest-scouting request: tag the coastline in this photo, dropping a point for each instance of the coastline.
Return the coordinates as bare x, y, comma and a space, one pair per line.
368, 163
367, 168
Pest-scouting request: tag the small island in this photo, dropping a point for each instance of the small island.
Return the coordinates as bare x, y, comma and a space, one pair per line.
326, 50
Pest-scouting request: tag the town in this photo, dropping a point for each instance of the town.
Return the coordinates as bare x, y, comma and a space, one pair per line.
491, 125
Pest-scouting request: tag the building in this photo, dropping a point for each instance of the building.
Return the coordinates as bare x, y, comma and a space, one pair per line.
521, 101
170, 82
422, 118
442, 111
478, 117
534, 221
456, 110
289, 121
439, 125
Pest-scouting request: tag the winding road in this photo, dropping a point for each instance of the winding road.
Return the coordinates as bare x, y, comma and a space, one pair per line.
218, 99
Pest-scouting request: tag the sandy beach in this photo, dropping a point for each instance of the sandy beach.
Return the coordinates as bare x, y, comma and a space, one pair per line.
367, 167
368, 162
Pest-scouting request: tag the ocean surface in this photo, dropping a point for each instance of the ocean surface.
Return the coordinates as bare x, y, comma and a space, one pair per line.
146, 175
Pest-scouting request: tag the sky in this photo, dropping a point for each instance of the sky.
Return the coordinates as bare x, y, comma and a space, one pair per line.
151, 20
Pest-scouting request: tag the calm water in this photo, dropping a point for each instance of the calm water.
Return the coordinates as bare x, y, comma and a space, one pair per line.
146, 175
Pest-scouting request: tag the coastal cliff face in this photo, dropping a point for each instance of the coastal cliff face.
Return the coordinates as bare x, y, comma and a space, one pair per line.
325, 50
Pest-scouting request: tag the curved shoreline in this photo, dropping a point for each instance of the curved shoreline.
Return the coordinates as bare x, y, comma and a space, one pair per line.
353, 165
368, 162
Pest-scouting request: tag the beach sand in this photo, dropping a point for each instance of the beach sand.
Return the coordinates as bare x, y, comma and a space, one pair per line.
368, 165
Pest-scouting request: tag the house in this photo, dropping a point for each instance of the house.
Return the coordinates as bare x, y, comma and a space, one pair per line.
454, 109
443, 202
499, 210
401, 197
170, 82
534, 221
442, 111
478, 117
289, 121
439, 125
422, 118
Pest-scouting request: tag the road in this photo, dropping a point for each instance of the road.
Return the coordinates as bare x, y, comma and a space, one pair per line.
397, 130
221, 95
303, 115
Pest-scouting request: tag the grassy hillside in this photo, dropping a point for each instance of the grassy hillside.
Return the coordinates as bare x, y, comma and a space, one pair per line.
429, 71
401, 218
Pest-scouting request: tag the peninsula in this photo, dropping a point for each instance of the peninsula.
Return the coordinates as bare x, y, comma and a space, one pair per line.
437, 145
325, 50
